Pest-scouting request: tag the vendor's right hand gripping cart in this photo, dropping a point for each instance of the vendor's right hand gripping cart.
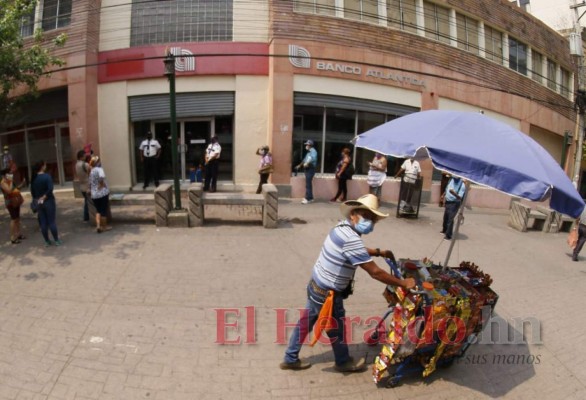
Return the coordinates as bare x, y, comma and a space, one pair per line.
434, 325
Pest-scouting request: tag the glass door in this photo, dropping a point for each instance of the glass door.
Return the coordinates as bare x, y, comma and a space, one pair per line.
162, 133
194, 138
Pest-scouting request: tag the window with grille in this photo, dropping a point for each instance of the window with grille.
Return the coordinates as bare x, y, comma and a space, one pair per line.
493, 42
517, 56
362, 10
181, 21
56, 14
537, 66
551, 75
27, 23
437, 22
324, 7
402, 15
467, 29
566, 82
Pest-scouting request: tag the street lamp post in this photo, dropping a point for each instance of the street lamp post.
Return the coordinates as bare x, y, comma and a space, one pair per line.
170, 74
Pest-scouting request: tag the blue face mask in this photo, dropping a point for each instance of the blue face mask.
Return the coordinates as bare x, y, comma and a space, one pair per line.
364, 226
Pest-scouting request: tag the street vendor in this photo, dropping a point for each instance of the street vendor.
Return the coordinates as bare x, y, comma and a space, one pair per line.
342, 253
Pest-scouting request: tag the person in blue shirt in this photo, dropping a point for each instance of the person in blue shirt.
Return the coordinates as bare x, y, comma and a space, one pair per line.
452, 202
42, 193
309, 164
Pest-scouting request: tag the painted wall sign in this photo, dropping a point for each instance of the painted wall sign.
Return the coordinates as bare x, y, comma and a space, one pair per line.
300, 57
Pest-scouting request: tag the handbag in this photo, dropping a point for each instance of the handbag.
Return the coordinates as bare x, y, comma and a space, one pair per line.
34, 205
573, 238
267, 169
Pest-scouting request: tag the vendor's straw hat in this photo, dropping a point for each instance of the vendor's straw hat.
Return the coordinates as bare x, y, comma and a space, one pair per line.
367, 202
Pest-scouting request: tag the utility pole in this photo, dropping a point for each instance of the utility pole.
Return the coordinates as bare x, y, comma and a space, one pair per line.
169, 62
576, 48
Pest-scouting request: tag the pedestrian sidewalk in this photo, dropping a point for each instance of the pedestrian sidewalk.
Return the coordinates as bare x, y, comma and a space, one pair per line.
136, 313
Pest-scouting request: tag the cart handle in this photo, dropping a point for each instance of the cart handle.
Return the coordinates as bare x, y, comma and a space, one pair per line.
394, 268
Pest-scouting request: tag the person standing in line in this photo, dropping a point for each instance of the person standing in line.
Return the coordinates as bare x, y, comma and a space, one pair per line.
342, 176
265, 167
377, 173
309, 164
150, 151
452, 201
412, 170
100, 194
42, 193
580, 225
212, 159
342, 253
13, 201
82, 171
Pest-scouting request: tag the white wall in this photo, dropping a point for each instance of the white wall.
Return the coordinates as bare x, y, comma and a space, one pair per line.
115, 24
251, 21
250, 126
113, 128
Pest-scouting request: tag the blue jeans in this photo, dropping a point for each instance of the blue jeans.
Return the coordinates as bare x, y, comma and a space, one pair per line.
47, 214
309, 173
308, 320
451, 209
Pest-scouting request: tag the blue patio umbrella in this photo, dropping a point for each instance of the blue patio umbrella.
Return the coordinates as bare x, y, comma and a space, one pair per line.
481, 149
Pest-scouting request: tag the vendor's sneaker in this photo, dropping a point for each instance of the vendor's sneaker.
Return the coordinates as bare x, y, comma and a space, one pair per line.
295, 366
305, 201
352, 366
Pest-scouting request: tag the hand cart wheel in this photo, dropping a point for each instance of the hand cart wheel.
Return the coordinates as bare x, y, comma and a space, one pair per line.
392, 382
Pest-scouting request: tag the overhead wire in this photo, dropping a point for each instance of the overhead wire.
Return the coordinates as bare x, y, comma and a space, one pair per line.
256, 26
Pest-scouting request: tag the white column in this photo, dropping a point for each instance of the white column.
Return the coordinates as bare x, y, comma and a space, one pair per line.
340, 8
506, 49
529, 62
454, 29
382, 13
420, 17
481, 40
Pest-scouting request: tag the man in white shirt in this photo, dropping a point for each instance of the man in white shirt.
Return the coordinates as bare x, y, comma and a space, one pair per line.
412, 171
212, 158
150, 150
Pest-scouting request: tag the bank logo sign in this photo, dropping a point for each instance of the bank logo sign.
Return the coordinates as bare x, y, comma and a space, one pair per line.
301, 58
182, 63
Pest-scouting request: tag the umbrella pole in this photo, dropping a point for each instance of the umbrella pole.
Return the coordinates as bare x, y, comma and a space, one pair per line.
459, 217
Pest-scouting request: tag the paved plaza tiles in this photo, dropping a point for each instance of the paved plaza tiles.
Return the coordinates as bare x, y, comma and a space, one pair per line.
134, 313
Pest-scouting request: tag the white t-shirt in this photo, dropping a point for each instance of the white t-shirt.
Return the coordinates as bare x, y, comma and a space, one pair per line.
149, 147
214, 150
412, 170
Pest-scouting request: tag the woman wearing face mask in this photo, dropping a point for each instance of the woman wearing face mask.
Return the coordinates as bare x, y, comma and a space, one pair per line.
13, 200
341, 175
377, 174
265, 167
342, 253
42, 192
100, 194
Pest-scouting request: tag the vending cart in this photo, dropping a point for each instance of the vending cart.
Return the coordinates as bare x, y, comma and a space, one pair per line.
434, 324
